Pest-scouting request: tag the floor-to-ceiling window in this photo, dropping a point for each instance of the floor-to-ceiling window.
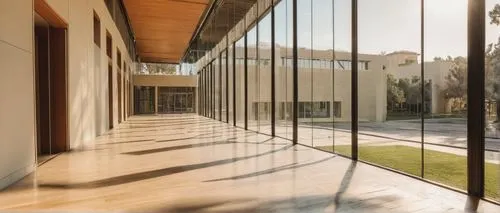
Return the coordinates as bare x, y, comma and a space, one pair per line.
223, 86
283, 68
253, 85
240, 81
338, 92
305, 69
389, 82
324, 107
445, 92
216, 93
230, 88
410, 83
492, 100
144, 102
264, 66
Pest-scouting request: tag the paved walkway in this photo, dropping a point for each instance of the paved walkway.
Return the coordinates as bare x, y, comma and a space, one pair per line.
186, 163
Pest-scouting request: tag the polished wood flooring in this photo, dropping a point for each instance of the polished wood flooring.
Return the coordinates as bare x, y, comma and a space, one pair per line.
187, 163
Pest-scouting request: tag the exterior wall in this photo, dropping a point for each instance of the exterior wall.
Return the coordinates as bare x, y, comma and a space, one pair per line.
166, 80
372, 82
372, 91
17, 105
88, 69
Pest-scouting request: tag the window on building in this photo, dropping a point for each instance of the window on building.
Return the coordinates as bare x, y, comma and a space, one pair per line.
320, 109
362, 65
109, 45
118, 58
97, 30
337, 109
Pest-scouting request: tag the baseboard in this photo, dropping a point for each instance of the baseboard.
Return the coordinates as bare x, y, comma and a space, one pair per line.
16, 176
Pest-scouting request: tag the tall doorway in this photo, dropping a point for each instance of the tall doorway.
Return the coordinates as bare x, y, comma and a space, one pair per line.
109, 53
50, 84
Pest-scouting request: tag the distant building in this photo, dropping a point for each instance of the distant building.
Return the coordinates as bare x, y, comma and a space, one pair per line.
319, 99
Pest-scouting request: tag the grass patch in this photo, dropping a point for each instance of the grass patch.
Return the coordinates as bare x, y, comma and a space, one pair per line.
394, 116
445, 168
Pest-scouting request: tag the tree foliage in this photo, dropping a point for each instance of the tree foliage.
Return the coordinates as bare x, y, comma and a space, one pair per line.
456, 80
407, 91
158, 69
493, 64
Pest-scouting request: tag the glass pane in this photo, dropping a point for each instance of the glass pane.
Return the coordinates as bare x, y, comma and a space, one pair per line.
445, 123
144, 100
492, 102
304, 25
284, 80
253, 80
223, 87
217, 90
322, 74
230, 90
389, 93
264, 66
240, 81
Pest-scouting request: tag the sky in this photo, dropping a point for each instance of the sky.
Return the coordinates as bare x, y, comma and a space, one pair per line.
383, 26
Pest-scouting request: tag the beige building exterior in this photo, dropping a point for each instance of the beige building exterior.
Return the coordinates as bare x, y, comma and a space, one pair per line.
316, 77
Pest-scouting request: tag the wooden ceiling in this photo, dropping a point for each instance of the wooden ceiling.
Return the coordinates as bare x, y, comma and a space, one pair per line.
163, 28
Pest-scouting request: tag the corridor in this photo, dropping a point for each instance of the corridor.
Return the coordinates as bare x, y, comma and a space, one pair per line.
188, 163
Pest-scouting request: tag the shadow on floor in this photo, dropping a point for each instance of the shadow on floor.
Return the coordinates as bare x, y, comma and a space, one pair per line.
271, 171
346, 182
189, 146
123, 142
123, 179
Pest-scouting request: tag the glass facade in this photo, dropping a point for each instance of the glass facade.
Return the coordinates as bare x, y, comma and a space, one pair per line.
492, 100
381, 81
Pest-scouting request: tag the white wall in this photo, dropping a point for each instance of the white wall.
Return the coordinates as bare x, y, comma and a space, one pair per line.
17, 112
88, 69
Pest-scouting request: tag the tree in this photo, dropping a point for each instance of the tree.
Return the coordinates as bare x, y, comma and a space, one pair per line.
158, 69
493, 64
456, 80
395, 95
456, 83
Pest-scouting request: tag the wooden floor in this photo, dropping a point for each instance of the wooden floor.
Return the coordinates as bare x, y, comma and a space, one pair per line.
186, 163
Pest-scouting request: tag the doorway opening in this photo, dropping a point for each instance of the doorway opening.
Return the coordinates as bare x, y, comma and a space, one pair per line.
109, 53
50, 83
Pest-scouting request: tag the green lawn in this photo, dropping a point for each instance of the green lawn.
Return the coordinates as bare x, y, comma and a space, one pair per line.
449, 169
405, 116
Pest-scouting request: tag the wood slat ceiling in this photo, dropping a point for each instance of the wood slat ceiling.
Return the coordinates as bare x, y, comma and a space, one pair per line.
163, 28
